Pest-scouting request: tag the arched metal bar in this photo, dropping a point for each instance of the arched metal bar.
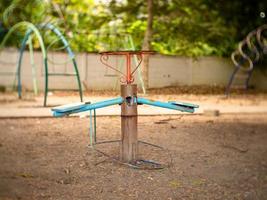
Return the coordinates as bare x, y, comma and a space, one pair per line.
45, 60
241, 45
252, 47
30, 29
70, 53
259, 38
256, 47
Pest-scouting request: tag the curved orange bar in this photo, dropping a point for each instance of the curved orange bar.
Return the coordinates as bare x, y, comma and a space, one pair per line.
128, 77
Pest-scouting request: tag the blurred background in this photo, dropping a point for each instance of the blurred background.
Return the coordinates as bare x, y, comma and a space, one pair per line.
180, 27
198, 43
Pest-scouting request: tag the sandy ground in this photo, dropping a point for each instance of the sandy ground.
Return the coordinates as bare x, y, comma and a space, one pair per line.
221, 157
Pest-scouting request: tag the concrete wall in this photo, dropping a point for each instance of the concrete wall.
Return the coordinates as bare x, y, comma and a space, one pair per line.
173, 71
163, 71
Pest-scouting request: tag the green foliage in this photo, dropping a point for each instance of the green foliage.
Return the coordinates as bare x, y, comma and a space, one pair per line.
16, 11
180, 27
190, 29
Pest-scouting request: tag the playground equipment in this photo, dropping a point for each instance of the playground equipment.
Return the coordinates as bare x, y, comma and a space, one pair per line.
129, 102
12, 30
249, 52
45, 60
111, 40
32, 29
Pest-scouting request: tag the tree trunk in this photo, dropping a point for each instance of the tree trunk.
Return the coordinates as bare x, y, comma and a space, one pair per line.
147, 41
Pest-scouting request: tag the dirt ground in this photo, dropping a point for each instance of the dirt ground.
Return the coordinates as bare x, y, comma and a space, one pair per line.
221, 157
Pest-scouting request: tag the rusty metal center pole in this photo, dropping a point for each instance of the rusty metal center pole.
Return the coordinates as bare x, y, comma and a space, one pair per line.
129, 142
128, 70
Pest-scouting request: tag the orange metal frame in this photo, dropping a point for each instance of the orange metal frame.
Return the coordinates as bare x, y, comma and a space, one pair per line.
128, 77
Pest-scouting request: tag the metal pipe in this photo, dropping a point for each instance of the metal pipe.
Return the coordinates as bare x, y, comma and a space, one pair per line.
91, 130
129, 142
94, 125
34, 80
129, 78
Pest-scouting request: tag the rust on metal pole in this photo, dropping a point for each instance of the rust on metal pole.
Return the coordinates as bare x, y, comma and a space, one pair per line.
129, 77
129, 142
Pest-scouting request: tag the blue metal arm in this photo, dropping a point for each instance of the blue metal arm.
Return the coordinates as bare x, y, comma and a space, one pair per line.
67, 110
183, 107
71, 109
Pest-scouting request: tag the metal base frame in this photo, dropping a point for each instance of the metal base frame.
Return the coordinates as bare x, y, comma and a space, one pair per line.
142, 164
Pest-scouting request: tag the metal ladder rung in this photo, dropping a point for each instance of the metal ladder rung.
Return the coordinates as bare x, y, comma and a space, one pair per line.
111, 75
239, 87
241, 76
62, 74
